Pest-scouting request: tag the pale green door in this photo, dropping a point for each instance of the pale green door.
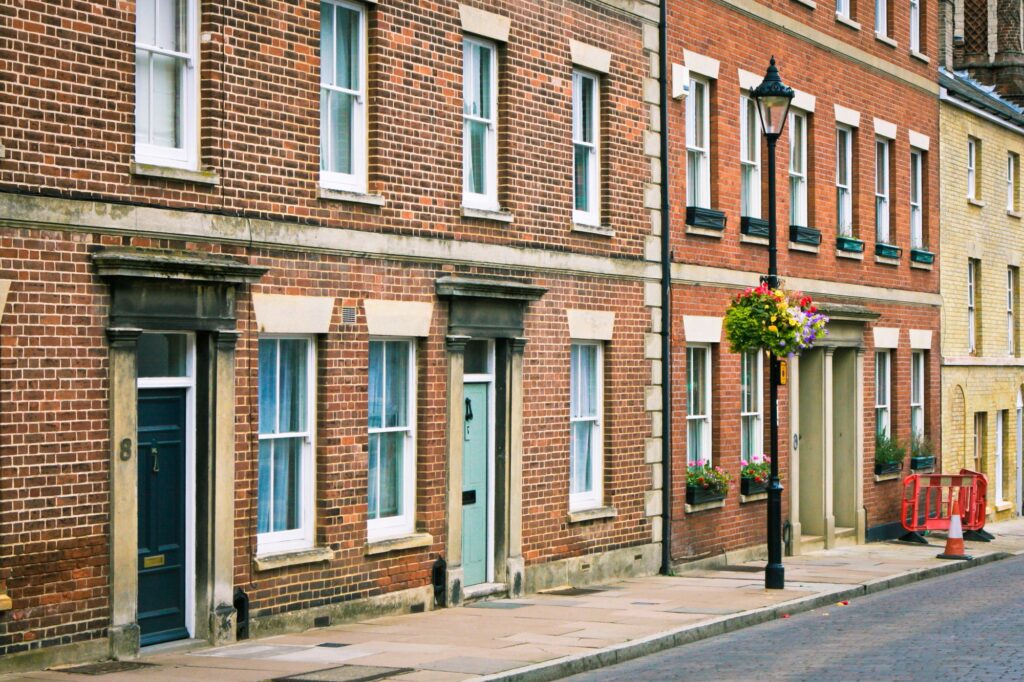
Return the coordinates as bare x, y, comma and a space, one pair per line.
474, 486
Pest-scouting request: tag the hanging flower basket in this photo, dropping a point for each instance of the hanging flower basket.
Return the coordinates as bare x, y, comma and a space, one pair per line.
780, 322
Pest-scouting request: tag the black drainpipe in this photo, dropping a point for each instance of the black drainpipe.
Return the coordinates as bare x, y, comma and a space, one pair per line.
666, 302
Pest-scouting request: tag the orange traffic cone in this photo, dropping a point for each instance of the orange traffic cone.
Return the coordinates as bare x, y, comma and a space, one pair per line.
955, 539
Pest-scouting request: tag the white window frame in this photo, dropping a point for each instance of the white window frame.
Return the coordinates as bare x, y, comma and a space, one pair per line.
750, 166
404, 523
187, 156
698, 152
594, 498
844, 192
972, 283
706, 440
488, 200
917, 374
1012, 181
277, 542
843, 8
356, 181
915, 26
882, 18
798, 176
1012, 275
883, 399
752, 368
972, 168
999, 454
882, 191
916, 199
580, 78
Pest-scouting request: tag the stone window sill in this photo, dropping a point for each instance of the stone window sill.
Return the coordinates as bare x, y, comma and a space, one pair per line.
691, 508
887, 40
483, 214
328, 194
1003, 506
810, 4
599, 230
200, 177
751, 239
889, 477
703, 232
976, 202
270, 562
920, 266
922, 57
756, 497
806, 248
592, 514
1014, 214
411, 541
852, 255
846, 21
887, 261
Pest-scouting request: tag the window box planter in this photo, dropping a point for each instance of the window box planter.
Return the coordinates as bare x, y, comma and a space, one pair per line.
800, 234
754, 227
849, 244
749, 486
922, 462
707, 218
887, 251
695, 495
922, 256
888, 468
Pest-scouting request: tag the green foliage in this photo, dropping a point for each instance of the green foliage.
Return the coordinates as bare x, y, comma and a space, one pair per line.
705, 476
921, 446
888, 450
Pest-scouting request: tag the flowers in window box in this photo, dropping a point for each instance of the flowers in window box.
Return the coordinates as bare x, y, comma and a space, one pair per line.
703, 476
780, 322
758, 469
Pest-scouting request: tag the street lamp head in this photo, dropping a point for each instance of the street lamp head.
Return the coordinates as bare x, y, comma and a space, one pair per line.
773, 98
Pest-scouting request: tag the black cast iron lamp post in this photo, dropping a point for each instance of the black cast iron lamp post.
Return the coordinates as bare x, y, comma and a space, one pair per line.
773, 98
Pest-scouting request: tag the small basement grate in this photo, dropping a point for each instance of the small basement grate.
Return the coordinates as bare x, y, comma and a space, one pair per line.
496, 605
575, 591
346, 673
332, 645
743, 569
107, 667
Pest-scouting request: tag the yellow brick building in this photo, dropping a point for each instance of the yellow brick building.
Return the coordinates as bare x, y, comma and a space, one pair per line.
981, 253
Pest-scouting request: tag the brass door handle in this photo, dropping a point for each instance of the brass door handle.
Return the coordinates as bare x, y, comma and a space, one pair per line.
156, 459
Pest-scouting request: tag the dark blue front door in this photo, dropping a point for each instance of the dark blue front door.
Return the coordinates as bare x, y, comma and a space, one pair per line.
161, 464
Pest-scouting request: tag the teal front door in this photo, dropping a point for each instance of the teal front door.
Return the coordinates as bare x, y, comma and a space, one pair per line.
475, 448
161, 464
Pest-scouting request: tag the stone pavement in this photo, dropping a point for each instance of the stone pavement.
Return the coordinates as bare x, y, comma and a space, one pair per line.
547, 636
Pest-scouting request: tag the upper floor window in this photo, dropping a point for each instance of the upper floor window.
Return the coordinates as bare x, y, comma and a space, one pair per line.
844, 181
166, 88
750, 159
342, 96
698, 404
915, 25
698, 145
972, 312
1012, 278
1012, 182
882, 235
973, 158
585, 136
916, 200
480, 124
797, 168
284, 519
882, 18
585, 406
843, 8
391, 472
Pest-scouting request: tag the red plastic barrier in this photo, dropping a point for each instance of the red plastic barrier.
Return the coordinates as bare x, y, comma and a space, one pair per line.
975, 507
928, 501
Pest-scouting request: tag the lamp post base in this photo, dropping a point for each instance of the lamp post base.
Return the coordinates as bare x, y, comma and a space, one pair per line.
775, 577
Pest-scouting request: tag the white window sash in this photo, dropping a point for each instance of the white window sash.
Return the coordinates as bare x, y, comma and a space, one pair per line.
1011, 322
187, 155
698, 149
356, 181
971, 281
797, 168
844, 194
704, 417
593, 498
916, 195
972, 153
917, 393
276, 542
1011, 182
580, 81
1000, 473
883, 386
752, 374
404, 523
488, 200
843, 8
750, 164
915, 25
882, 191
882, 17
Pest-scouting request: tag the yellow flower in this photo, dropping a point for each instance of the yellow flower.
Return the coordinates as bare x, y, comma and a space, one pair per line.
773, 328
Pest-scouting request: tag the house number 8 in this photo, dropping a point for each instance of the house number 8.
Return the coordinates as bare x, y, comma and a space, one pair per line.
126, 449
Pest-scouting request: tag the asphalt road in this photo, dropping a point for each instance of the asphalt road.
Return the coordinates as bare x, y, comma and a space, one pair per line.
964, 626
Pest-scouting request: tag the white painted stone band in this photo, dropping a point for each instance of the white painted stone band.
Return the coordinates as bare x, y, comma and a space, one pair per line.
846, 116
702, 329
701, 65
485, 24
279, 314
591, 325
887, 337
921, 339
398, 318
919, 140
885, 129
590, 57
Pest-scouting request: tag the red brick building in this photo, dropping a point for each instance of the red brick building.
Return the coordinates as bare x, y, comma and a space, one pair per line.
858, 219
301, 298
